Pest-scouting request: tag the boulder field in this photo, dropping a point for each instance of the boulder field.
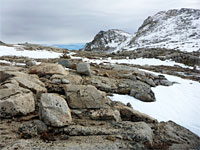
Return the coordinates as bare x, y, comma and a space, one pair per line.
56, 106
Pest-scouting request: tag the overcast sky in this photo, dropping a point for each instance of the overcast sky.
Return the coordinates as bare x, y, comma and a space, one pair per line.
76, 21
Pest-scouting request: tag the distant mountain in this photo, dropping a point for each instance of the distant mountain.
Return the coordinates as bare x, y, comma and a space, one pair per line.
172, 29
2, 43
108, 40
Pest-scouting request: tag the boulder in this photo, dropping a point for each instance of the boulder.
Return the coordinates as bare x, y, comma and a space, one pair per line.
20, 79
41, 126
85, 96
142, 91
57, 81
15, 103
173, 133
74, 79
106, 114
54, 110
129, 114
32, 83
66, 79
48, 69
139, 132
65, 63
83, 69
103, 83
165, 83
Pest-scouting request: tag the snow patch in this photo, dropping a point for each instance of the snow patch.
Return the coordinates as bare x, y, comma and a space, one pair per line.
179, 103
13, 51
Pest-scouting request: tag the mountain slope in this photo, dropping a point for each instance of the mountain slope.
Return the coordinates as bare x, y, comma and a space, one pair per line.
173, 29
107, 40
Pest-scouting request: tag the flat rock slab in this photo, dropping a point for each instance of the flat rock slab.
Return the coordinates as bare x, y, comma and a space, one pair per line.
129, 114
106, 114
48, 68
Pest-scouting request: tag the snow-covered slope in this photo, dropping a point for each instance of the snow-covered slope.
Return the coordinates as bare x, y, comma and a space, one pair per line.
108, 40
173, 29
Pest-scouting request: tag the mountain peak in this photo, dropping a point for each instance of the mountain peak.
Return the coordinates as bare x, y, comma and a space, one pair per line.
107, 40
177, 29
172, 29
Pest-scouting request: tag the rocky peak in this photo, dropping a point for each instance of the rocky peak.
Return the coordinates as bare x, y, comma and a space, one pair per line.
107, 40
177, 29
172, 29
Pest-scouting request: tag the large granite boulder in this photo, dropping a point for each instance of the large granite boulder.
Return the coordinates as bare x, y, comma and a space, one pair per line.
85, 96
54, 110
140, 132
16, 102
48, 69
32, 83
142, 91
20, 79
83, 69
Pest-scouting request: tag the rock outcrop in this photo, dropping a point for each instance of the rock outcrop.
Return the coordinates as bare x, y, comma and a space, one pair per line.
45, 106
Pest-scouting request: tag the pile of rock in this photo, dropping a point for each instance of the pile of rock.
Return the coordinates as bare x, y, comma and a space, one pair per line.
55, 103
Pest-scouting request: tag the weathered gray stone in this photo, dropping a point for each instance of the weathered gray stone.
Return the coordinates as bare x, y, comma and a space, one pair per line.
41, 126
16, 104
103, 83
72, 78
54, 110
57, 81
32, 83
48, 68
142, 91
166, 83
83, 69
129, 114
65, 81
139, 132
106, 114
30, 63
85, 96
175, 133
65, 63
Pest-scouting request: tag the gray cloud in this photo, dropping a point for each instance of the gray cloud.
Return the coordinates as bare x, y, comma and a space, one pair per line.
75, 21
